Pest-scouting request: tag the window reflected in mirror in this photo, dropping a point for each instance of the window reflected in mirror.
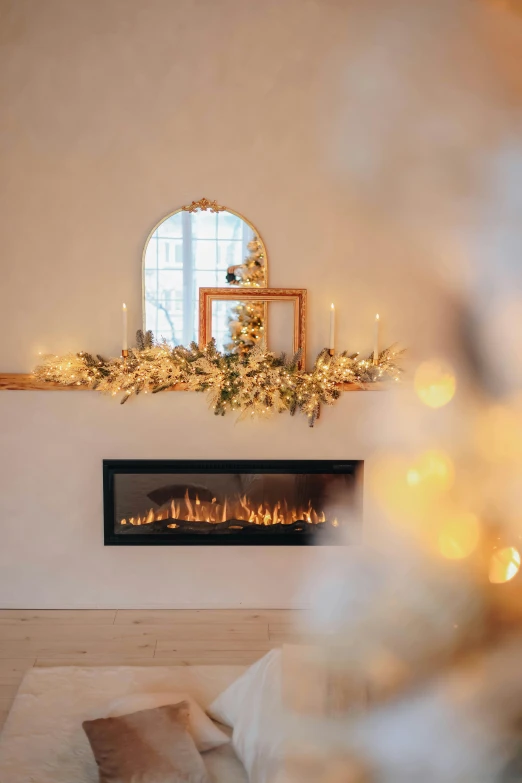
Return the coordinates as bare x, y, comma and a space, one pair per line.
189, 250
237, 326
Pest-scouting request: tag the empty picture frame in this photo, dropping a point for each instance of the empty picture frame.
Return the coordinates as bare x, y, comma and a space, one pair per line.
297, 296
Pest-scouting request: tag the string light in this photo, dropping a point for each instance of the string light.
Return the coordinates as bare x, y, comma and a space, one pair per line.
256, 383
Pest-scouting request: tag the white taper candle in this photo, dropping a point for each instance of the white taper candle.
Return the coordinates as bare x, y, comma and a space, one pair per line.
376, 341
332, 327
125, 345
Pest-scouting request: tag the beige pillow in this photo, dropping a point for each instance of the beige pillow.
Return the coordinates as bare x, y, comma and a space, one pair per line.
150, 746
205, 734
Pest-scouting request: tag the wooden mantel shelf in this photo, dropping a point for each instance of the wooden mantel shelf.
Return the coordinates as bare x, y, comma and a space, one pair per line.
13, 381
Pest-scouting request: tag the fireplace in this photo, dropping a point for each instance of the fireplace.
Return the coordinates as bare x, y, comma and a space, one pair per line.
263, 502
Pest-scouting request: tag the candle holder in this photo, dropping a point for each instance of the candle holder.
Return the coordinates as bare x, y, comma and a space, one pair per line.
124, 353
331, 351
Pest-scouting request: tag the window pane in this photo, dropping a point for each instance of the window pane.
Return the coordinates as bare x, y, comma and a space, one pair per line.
204, 254
151, 313
151, 286
163, 321
229, 226
222, 312
204, 225
170, 253
170, 281
150, 278
170, 227
208, 279
229, 254
151, 254
169, 326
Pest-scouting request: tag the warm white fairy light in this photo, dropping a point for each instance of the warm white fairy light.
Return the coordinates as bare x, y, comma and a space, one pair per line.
257, 383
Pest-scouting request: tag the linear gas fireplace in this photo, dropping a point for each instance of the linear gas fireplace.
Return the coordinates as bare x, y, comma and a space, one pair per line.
265, 502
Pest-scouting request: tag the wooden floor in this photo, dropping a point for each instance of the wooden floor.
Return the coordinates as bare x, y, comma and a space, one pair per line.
134, 638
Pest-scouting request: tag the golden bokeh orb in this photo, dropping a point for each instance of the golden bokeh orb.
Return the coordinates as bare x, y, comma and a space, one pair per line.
435, 383
459, 536
433, 470
504, 564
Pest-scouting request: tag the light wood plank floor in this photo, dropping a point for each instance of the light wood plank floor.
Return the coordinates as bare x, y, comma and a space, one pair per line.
157, 637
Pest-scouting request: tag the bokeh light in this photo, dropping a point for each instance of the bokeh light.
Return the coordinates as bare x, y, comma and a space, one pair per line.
433, 470
411, 489
390, 483
459, 536
504, 565
435, 383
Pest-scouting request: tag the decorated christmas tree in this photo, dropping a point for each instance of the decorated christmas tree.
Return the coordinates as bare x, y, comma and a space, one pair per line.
252, 271
246, 323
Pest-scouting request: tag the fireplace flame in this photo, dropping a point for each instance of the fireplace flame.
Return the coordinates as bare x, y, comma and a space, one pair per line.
241, 509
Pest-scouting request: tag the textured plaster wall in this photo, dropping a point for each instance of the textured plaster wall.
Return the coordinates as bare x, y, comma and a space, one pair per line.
114, 113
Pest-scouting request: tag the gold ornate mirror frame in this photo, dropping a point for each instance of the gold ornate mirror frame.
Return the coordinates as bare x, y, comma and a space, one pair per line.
202, 205
296, 295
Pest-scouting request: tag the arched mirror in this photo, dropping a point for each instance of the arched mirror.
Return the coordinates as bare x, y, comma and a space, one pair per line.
203, 245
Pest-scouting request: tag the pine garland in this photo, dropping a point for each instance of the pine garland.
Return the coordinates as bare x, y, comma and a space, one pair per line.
257, 383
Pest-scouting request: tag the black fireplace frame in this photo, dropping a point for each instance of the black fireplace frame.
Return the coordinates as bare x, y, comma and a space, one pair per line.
111, 467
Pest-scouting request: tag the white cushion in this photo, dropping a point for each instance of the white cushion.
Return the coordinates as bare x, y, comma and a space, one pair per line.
253, 706
205, 734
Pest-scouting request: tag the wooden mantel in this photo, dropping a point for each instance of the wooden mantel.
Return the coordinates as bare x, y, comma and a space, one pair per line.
13, 381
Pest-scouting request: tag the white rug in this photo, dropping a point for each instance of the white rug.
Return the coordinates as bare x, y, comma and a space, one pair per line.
43, 740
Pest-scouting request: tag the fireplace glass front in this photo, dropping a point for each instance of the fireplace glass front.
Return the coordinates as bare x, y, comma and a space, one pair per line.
246, 502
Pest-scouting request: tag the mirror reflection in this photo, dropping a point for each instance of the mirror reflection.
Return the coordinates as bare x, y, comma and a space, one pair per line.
239, 326
203, 248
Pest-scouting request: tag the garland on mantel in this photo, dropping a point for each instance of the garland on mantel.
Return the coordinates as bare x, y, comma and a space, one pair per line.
258, 383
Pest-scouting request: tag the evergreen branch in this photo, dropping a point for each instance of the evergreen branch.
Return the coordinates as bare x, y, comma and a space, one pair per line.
254, 383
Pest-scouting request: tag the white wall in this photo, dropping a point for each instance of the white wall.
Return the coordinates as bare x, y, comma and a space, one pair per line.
116, 112
52, 540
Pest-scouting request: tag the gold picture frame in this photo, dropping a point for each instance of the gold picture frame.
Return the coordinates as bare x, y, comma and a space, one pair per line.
296, 295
